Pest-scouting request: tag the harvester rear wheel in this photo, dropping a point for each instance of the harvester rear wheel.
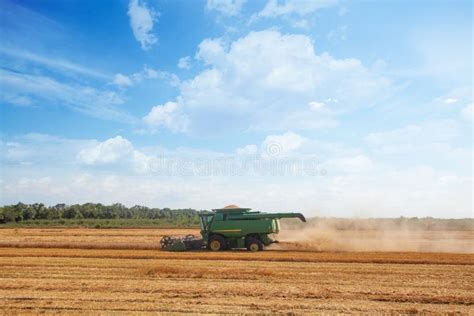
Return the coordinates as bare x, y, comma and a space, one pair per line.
254, 245
216, 243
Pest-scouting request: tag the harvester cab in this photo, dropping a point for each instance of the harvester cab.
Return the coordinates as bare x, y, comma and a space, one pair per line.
205, 221
232, 227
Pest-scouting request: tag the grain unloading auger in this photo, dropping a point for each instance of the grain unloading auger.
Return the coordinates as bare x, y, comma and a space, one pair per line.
231, 227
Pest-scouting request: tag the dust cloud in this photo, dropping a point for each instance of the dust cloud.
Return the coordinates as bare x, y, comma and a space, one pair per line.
420, 235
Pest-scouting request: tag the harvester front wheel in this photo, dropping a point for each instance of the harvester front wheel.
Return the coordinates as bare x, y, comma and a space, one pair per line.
216, 243
254, 245
165, 241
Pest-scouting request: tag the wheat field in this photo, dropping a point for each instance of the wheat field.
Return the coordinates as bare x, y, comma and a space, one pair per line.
106, 271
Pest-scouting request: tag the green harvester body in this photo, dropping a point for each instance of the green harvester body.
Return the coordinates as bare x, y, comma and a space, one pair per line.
231, 227
238, 227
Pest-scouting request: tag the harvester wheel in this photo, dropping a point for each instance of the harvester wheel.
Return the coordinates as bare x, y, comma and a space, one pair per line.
254, 245
216, 243
165, 241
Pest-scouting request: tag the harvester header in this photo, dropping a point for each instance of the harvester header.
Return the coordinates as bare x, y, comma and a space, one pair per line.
232, 227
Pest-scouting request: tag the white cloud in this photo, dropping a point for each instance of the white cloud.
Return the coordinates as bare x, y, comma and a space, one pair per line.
184, 62
40, 150
247, 150
417, 191
16, 99
146, 73
116, 151
226, 7
275, 8
211, 51
53, 62
142, 19
302, 23
468, 112
450, 100
109, 151
87, 100
435, 143
122, 80
265, 81
114, 170
317, 106
282, 145
168, 116
415, 136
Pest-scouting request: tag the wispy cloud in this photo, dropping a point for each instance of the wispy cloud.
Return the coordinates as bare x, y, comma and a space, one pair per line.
87, 100
275, 9
52, 62
226, 7
18, 22
123, 81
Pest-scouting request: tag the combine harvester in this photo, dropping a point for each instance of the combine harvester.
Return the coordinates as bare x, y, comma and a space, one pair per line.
231, 227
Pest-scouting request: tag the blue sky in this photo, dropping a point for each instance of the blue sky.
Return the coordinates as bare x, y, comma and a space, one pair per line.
96, 97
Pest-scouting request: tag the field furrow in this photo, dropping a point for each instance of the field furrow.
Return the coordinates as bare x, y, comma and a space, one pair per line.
74, 280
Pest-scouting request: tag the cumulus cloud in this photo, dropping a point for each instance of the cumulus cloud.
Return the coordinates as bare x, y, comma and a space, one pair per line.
282, 145
142, 20
168, 116
116, 151
226, 7
419, 191
265, 81
211, 51
107, 171
110, 151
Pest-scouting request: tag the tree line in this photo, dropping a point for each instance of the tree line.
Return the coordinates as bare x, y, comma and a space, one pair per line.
38, 211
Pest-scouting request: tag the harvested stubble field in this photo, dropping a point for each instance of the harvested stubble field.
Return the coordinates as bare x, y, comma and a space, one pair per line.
122, 270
